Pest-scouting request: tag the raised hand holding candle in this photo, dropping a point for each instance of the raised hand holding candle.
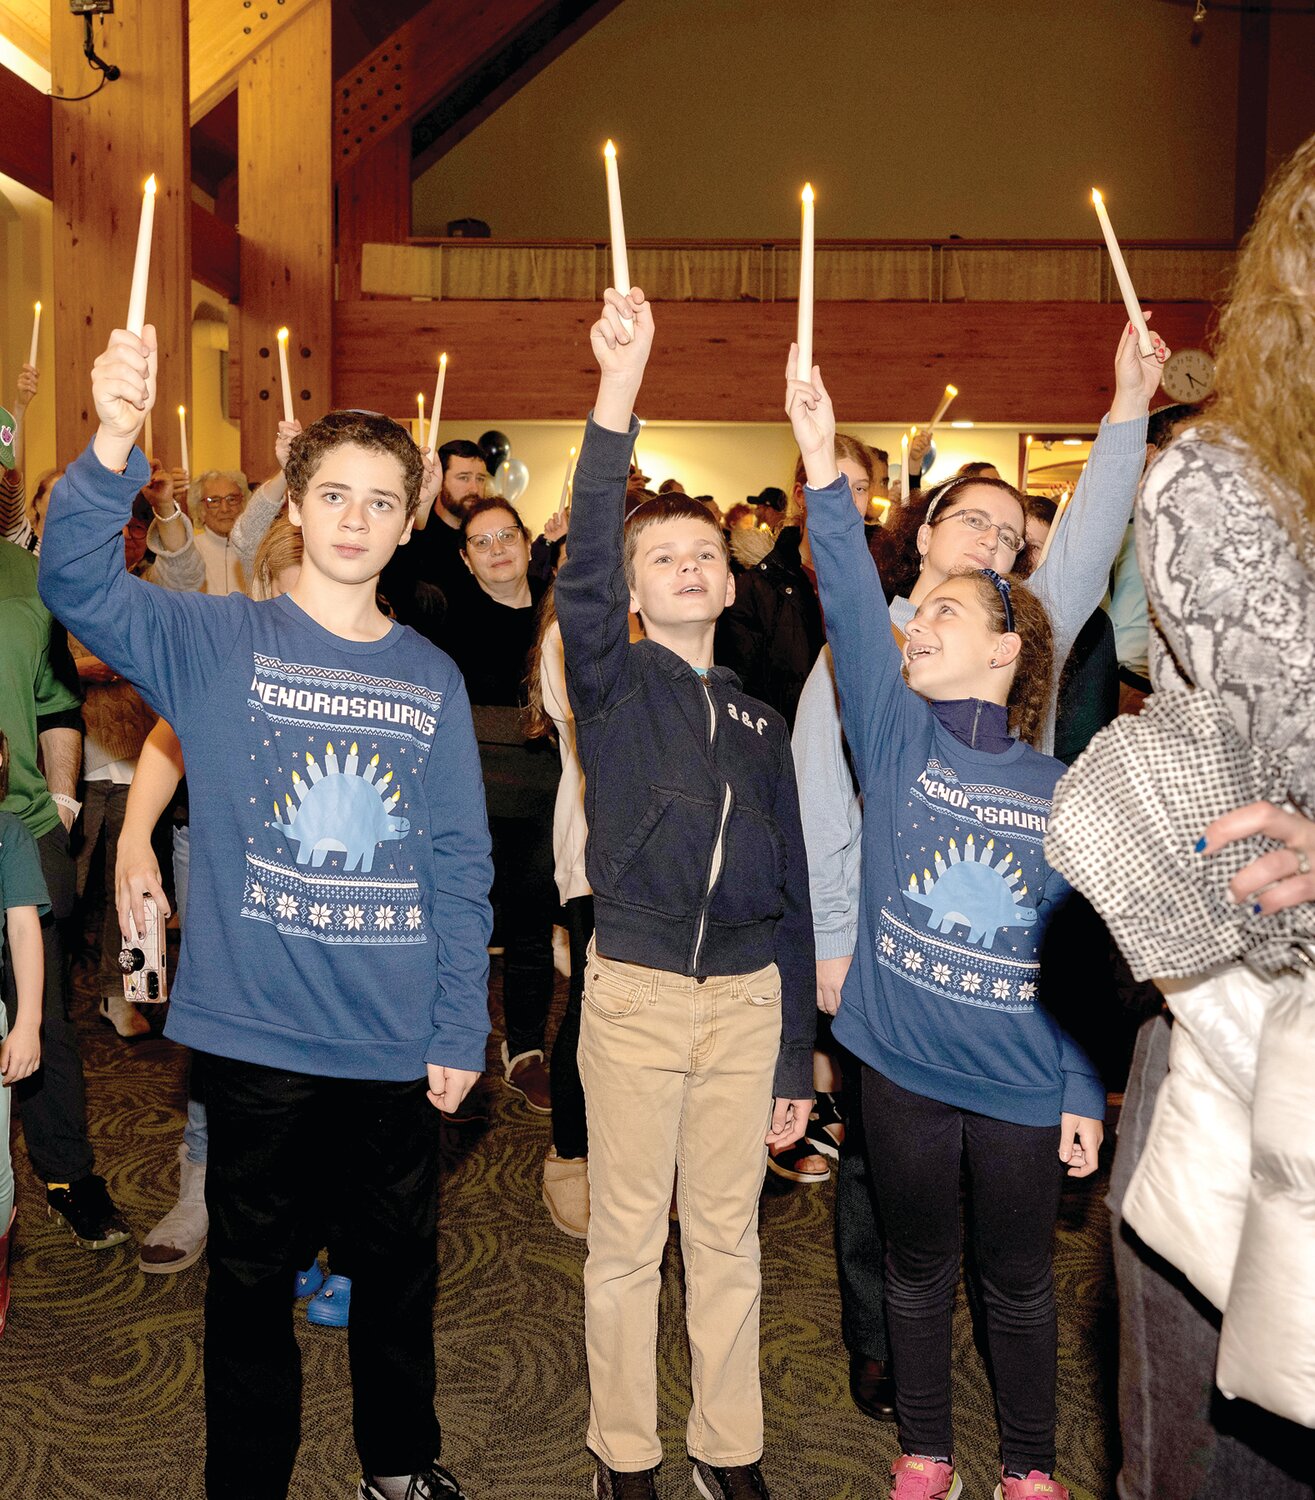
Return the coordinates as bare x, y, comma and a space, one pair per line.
804, 335
182, 434
566, 483
431, 440
141, 266
36, 331
284, 376
1130, 302
616, 225
951, 391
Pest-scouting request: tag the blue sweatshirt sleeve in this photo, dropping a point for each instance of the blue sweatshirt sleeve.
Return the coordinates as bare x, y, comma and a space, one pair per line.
875, 702
1075, 576
831, 812
794, 947
463, 868
169, 645
593, 600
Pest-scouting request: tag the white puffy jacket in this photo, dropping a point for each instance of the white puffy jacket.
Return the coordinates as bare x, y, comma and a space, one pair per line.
1225, 1189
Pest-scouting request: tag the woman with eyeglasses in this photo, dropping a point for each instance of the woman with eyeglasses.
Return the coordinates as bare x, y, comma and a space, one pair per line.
969, 523
217, 500
490, 636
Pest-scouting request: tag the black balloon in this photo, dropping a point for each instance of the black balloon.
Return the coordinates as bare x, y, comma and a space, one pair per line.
496, 448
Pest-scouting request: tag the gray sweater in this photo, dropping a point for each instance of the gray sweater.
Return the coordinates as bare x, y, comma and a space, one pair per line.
1070, 583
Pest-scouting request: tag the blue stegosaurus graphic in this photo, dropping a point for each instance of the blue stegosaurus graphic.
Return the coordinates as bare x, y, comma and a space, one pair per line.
340, 811
973, 892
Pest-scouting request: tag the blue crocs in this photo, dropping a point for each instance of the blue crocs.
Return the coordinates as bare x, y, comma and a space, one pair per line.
331, 1306
307, 1283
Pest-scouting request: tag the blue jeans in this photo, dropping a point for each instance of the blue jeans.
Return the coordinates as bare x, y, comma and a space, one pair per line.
1182, 1440
196, 1133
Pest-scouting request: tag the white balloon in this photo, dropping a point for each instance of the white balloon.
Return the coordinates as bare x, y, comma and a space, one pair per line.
512, 478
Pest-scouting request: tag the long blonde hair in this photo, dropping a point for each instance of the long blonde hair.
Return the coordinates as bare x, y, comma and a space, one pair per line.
1266, 349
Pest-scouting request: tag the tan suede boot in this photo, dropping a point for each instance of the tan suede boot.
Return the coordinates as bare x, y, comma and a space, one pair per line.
566, 1192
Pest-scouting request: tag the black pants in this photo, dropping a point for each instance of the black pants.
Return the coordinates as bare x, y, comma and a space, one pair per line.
266, 1126
916, 1148
570, 1134
53, 1101
860, 1244
525, 900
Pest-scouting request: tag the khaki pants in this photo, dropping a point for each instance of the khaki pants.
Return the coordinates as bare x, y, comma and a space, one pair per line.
676, 1073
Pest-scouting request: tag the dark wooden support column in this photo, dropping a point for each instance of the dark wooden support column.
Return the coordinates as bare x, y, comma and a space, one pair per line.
1252, 118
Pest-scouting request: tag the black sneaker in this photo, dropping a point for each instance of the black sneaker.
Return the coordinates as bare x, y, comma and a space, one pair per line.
740, 1482
434, 1484
87, 1209
611, 1485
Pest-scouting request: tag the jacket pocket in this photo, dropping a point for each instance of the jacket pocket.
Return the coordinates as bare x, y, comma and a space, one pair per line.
661, 863
612, 990
751, 887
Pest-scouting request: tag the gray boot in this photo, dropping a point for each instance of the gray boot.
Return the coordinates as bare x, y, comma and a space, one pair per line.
178, 1239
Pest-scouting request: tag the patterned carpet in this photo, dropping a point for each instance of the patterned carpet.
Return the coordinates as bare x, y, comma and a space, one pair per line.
100, 1386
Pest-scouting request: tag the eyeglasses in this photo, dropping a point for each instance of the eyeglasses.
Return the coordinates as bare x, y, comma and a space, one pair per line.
506, 535
980, 521
213, 500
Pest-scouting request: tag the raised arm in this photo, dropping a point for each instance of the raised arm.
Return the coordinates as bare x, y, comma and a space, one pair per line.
262, 509
868, 666
1075, 575
832, 815
169, 645
593, 599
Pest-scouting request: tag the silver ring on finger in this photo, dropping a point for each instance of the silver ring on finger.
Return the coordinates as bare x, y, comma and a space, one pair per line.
1303, 861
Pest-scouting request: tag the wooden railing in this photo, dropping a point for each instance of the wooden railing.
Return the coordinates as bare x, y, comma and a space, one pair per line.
930, 271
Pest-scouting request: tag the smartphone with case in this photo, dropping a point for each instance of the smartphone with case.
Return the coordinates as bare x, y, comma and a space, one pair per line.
142, 960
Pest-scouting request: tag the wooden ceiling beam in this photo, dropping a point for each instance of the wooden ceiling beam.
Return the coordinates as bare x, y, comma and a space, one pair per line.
224, 34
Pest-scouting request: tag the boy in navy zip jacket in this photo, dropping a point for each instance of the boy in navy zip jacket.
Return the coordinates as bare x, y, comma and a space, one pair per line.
335, 974
699, 1016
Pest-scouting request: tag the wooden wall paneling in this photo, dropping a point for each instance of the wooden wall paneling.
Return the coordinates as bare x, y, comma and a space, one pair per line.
104, 149
285, 222
423, 59
225, 33
373, 203
25, 148
26, 23
1033, 363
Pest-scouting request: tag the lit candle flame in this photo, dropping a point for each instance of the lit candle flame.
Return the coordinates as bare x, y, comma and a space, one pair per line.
283, 335
808, 192
951, 390
149, 185
1096, 196
609, 150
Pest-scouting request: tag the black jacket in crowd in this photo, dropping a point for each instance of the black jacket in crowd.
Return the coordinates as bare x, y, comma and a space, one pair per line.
772, 635
677, 766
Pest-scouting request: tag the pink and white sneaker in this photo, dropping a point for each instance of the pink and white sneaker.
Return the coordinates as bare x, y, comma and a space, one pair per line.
918, 1478
1037, 1485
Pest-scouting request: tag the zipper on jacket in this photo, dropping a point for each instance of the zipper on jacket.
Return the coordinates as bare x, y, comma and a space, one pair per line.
977, 718
714, 870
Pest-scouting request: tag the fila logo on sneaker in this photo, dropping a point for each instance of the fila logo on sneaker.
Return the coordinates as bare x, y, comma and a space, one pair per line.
746, 720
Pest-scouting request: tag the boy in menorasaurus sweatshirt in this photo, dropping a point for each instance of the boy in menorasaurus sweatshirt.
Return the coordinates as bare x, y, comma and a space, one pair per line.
698, 1019
333, 970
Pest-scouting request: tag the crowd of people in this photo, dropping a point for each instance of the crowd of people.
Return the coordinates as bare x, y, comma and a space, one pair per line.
774, 790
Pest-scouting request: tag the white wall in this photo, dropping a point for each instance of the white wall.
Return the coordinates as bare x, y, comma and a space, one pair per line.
984, 118
729, 461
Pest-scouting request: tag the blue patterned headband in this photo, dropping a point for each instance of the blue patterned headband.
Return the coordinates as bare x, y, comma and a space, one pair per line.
1002, 588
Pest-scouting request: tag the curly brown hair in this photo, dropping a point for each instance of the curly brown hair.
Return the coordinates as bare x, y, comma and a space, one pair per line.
1030, 692
1265, 361
367, 429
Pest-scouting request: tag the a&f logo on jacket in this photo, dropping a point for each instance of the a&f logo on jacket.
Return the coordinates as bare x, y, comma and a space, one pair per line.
744, 719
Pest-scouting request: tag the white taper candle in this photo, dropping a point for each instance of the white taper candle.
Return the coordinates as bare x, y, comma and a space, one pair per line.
141, 266
804, 333
1130, 302
284, 376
